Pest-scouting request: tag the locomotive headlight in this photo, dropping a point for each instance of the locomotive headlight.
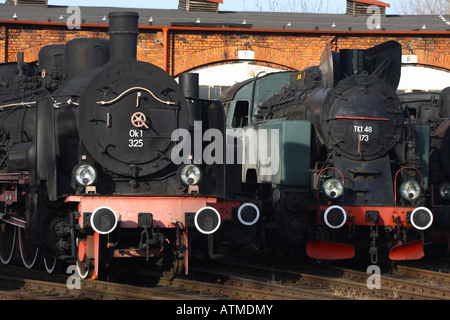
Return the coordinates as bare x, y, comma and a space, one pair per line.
190, 174
410, 190
333, 188
444, 191
85, 175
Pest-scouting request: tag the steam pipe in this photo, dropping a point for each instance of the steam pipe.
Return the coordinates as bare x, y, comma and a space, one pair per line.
166, 52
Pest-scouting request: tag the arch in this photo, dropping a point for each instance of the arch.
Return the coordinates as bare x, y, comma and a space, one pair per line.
255, 62
281, 58
412, 78
30, 54
229, 54
228, 73
433, 59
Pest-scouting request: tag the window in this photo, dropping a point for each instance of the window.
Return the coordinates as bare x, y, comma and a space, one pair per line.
240, 116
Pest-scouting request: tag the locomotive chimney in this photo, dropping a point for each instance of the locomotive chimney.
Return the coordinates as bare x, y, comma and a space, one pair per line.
123, 32
189, 85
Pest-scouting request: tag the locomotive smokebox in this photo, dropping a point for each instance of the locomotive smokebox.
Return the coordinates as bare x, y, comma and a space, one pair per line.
123, 33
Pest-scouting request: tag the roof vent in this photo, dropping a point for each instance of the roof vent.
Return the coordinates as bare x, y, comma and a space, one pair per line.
21, 2
359, 7
200, 5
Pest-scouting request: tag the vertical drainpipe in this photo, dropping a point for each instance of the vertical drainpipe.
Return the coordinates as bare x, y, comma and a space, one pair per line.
166, 51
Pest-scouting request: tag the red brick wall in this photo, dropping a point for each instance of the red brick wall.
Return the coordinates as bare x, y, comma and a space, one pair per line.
294, 51
287, 51
2, 43
190, 49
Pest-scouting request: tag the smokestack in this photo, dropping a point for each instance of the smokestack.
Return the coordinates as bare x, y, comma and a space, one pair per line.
123, 32
189, 83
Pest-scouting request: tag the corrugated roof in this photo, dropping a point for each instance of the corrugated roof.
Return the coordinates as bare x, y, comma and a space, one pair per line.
255, 20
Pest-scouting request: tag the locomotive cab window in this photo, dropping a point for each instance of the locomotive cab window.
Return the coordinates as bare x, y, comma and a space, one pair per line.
240, 116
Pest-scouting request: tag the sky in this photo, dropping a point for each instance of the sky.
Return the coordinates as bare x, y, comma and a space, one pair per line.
335, 6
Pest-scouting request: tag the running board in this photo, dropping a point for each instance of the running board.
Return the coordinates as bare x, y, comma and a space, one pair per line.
329, 250
408, 251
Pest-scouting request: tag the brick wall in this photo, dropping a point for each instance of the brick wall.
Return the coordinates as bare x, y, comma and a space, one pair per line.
293, 51
3, 46
286, 51
189, 49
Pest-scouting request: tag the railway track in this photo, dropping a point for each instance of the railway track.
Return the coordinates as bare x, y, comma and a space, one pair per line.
22, 284
237, 280
223, 280
426, 276
405, 283
225, 285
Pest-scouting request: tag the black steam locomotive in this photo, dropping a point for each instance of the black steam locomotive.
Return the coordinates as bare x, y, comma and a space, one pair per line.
352, 168
86, 168
432, 109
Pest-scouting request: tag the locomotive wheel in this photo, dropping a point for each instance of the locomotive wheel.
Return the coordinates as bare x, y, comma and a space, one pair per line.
7, 242
178, 265
281, 246
49, 262
258, 242
84, 266
174, 258
28, 251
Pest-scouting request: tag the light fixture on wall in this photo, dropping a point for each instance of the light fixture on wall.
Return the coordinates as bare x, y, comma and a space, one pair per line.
15, 16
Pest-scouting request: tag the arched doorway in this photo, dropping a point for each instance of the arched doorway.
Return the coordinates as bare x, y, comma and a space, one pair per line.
414, 78
216, 78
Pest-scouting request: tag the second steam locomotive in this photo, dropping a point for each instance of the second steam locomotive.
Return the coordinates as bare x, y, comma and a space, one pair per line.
353, 167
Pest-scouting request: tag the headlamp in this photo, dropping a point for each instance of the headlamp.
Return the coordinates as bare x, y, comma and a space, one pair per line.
410, 190
333, 188
444, 191
190, 174
85, 175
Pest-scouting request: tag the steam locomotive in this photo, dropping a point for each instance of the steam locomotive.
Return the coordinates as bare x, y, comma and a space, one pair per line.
86, 168
433, 109
352, 168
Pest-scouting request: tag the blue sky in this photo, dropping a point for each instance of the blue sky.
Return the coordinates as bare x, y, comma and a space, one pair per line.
335, 6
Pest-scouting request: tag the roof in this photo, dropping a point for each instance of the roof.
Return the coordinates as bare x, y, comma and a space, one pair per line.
374, 2
229, 93
265, 21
